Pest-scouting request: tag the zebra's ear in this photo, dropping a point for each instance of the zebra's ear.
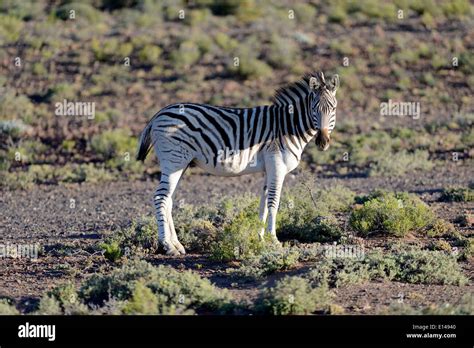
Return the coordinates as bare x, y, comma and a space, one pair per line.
314, 83
334, 84
320, 77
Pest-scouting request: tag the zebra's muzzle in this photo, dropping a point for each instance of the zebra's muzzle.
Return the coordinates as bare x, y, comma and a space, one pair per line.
323, 139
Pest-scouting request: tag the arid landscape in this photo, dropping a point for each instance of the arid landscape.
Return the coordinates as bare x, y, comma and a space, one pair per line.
380, 223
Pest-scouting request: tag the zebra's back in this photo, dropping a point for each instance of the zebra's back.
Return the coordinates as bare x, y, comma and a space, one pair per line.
221, 140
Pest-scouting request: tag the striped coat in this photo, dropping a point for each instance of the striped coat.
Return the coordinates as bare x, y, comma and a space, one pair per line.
228, 141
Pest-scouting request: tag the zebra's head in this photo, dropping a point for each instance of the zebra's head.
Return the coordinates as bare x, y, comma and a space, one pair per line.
323, 105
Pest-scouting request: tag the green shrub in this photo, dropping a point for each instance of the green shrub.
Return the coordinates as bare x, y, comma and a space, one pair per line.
149, 54
176, 292
467, 139
7, 309
340, 271
466, 60
337, 13
10, 29
125, 49
110, 307
186, 55
250, 68
428, 79
230, 208
440, 245
464, 307
29, 150
65, 294
195, 228
342, 47
84, 172
270, 261
39, 69
246, 63
457, 194
42, 174
113, 144
310, 252
15, 107
429, 267
395, 214
68, 145
25, 10
141, 236
63, 299
320, 229
400, 263
5, 163
195, 17
304, 13
293, 296
112, 251
438, 61
62, 91
143, 300
49, 174
441, 228
384, 155
48, 305
456, 8
105, 50
239, 239
15, 180
468, 251
401, 163
367, 148
225, 42
306, 212
283, 53
228, 231
244, 10
335, 198
81, 10
12, 128
377, 9
328, 157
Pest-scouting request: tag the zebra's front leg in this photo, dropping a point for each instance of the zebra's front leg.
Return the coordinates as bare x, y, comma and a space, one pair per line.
275, 184
263, 210
174, 236
163, 204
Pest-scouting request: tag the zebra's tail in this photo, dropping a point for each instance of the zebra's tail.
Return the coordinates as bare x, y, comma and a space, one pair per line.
145, 143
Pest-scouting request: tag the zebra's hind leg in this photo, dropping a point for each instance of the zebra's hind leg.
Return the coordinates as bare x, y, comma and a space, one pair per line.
275, 178
174, 236
163, 203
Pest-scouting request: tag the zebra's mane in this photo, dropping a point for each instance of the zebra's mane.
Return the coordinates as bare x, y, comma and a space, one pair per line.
283, 92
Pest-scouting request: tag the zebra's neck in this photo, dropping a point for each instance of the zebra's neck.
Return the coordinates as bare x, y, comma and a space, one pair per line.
294, 126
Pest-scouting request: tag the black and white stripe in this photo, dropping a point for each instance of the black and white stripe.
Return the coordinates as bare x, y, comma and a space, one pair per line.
234, 141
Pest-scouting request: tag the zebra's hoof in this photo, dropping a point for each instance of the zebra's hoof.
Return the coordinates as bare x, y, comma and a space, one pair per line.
179, 247
172, 252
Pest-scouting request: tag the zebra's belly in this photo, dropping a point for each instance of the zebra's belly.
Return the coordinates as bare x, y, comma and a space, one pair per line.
230, 167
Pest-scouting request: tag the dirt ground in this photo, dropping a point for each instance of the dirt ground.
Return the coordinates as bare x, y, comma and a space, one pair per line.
67, 234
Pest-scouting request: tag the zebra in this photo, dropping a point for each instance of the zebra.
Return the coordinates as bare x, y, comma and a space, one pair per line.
228, 141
